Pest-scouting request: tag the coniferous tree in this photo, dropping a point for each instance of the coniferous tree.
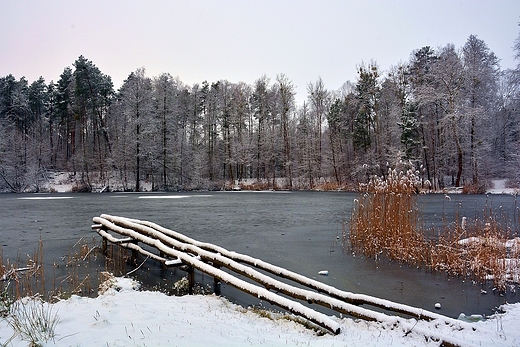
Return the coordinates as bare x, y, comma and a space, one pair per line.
422, 91
365, 123
93, 92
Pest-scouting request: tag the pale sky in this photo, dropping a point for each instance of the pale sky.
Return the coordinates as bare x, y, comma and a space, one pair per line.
241, 40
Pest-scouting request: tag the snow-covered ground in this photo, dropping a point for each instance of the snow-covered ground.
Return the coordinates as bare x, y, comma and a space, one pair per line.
499, 187
63, 182
124, 316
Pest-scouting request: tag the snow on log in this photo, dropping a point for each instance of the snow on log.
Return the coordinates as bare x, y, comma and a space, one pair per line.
209, 258
126, 244
255, 275
262, 293
356, 299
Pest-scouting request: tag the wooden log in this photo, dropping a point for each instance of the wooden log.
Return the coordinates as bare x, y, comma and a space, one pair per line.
261, 293
266, 281
216, 284
336, 304
129, 245
191, 279
164, 243
133, 257
356, 299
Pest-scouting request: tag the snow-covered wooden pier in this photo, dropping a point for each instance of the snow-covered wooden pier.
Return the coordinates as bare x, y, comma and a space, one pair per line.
176, 249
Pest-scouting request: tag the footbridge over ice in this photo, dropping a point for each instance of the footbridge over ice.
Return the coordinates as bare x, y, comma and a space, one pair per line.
174, 249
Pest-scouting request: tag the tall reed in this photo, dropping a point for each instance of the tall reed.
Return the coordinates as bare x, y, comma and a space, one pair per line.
384, 221
385, 224
78, 272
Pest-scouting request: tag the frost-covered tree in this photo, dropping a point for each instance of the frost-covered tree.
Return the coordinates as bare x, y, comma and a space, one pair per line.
398, 83
334, 121
426, 112
16, 120
285, 107
482, 72
305, 147
63, 115
507, 139
242, 139
135, 107
449, 82
39, 98
170, 139
318, 101
261, 104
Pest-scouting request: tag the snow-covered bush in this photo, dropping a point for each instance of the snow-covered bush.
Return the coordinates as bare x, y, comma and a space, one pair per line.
182, 286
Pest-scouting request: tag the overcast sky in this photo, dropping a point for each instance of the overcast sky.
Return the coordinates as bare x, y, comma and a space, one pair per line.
241, 40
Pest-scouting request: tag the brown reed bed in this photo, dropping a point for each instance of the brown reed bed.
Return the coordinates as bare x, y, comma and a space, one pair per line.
80, 272
385, 224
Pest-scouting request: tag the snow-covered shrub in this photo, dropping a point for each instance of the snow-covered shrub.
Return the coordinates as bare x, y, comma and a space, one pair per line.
479, 249
182, 286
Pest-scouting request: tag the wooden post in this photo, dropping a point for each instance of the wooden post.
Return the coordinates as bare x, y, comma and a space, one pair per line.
104, 246
133, 258
163, 264
216, 284
191, 279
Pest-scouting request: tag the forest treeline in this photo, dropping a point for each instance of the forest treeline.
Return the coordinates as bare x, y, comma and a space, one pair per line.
451, 112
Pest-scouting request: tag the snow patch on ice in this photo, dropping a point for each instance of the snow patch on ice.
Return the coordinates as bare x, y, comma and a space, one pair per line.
163, 196
45, 198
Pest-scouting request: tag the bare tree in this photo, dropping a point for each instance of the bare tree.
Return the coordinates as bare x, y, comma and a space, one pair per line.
135, 98
482, 73
285, 107
318, 98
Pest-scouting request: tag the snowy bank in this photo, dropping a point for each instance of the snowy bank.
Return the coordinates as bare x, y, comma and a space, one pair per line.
499, 187
124, 316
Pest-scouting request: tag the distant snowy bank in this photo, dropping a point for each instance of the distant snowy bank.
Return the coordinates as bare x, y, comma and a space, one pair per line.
123, 316
65, 182
499, 187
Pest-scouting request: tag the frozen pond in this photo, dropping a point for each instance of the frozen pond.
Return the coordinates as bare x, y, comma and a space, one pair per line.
296, 230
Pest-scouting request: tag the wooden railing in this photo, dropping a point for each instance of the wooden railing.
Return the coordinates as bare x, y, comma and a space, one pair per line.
176, 249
